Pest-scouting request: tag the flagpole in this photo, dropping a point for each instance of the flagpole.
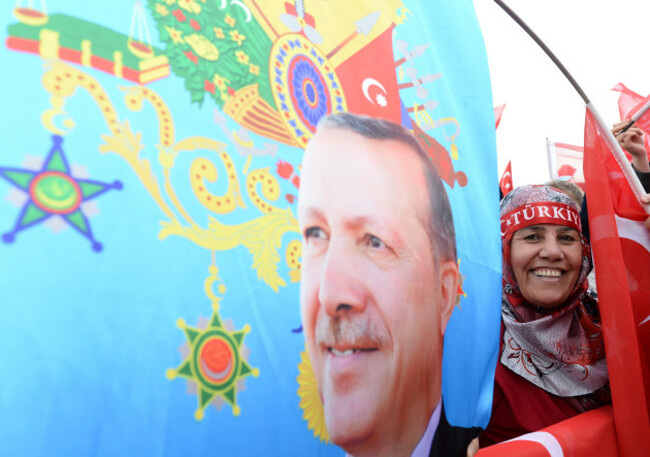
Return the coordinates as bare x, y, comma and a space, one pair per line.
552, 164
626, 167
545, 48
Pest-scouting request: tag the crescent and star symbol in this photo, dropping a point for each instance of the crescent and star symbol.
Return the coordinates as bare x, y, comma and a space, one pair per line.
380, 99
507, 176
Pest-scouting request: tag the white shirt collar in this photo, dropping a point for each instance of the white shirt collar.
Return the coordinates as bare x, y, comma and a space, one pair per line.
424, 446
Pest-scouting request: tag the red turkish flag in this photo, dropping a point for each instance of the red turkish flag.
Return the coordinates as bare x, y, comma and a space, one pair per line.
506, 180
498, 112
588, 434
568, 160
621, 252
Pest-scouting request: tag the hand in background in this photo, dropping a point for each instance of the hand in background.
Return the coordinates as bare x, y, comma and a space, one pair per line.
472, 448
633, 142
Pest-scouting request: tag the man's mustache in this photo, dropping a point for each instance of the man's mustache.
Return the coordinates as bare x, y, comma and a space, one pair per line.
350, 332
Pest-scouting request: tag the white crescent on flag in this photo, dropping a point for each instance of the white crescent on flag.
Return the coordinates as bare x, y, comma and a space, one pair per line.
507, 176
633, 230
550, 443
367, 84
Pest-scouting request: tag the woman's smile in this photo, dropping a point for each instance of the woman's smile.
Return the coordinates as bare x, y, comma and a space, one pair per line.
546, 261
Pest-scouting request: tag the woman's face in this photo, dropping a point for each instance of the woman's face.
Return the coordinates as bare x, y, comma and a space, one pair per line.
546, 261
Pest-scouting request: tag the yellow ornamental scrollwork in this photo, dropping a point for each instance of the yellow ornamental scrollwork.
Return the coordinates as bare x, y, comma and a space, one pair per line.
62, 81
134, 99
292, 256
128, 145
262, 237
204, 170
268, 185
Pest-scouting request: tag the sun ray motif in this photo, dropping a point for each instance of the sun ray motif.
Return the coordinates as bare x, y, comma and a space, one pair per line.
310, 401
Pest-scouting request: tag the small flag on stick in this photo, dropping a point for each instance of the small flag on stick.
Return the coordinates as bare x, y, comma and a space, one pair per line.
505, 183
565, 161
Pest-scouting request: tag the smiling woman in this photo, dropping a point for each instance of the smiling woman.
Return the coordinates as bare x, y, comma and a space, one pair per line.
546, 261
552, 364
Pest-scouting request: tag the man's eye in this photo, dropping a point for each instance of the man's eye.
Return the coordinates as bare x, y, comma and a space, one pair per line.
314, 232
374, 242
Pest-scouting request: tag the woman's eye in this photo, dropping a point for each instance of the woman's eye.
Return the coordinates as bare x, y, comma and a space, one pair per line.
532, 237
374, 242
314, 232
568, 239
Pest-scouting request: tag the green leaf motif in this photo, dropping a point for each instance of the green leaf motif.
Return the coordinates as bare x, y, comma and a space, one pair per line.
214, 33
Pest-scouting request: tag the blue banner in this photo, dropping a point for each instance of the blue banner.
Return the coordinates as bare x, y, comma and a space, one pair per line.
150, 256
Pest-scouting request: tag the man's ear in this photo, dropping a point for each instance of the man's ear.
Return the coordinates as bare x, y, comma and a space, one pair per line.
448, 291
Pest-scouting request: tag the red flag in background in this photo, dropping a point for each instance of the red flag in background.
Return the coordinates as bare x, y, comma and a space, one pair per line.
567, 161
621, 252
629, 102
498, 112
505, 183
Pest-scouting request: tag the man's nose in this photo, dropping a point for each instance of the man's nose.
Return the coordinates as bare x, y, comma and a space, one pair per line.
341, 282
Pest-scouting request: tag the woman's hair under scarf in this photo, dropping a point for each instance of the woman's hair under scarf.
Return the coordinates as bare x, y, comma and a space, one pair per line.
559, 349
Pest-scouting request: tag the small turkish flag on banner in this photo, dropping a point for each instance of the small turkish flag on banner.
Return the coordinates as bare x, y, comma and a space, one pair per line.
621, 252
369, 80
506, 180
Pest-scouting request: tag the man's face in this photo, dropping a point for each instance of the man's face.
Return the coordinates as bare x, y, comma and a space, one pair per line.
374, 303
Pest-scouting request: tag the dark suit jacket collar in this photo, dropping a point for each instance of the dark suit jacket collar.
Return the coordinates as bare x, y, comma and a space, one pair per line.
451, 441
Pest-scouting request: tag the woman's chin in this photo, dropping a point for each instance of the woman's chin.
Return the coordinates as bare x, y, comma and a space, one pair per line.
547, 292
547, 299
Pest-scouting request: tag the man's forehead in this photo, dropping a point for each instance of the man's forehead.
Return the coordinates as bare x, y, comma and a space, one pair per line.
325, 140
351, 217
344, 164
329, 135
338, 143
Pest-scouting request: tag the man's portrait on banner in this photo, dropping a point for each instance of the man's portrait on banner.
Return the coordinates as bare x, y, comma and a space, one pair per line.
379, 284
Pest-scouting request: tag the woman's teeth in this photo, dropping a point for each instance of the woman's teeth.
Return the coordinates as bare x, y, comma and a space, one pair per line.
548, 273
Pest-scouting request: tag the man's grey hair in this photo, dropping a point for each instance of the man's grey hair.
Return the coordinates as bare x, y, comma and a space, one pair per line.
440, 226
568, 188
